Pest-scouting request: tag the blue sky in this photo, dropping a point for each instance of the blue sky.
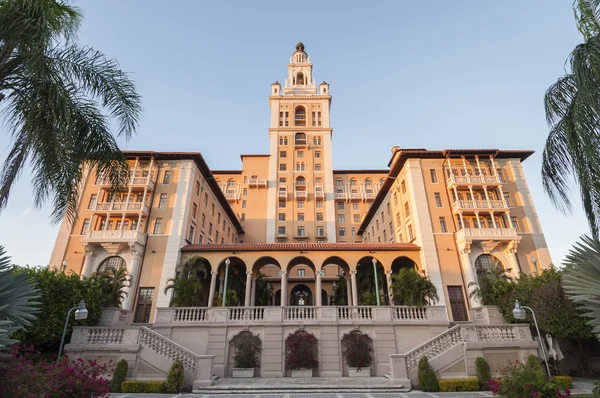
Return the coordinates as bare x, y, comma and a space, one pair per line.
432, 74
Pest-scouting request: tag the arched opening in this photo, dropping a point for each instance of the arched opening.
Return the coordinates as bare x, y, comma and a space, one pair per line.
487, 264
301, 295
277, 300
402, 262
190, 286
325, 299
365, 281
267, 278
300, 118
236, 282
300, 183
300, 78
336, 279
112, 263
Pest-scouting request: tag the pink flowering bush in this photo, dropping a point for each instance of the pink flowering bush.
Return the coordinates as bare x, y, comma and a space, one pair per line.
526, 380
22, 376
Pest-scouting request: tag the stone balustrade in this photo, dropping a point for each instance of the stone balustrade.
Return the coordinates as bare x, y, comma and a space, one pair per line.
100, 335
369, 314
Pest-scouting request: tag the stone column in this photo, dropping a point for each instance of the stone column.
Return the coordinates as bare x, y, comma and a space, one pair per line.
213, 287
465, 250
133, 273
349, 291
388, 278
354, 288
318, 297
253, 293
512, 258
89, 259
248, 288
284, 289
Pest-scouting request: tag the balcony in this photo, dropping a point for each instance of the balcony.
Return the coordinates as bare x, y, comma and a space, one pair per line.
473, 180
300, 195
484, 205
370, 196
319, 193
300, 235
115, 236
320, 234
469, 234
232, 196
341, 196
282, 193
109, 207
257, 183
135, 181
300, 120
355, 196
281, 235
301, 142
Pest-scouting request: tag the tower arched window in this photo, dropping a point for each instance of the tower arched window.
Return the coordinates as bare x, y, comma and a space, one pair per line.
300, 79
112, 263
300, 116
486, 263
300, 139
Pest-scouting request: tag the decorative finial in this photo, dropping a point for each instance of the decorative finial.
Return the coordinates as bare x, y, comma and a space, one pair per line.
300, 46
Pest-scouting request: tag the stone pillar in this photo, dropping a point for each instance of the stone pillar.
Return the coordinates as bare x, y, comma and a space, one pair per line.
349, 291
512, 258
354, 288
284, 289
253, 293
318, 297
133, 272
213, 287
388, 278
248, 288
465, 250
89, 259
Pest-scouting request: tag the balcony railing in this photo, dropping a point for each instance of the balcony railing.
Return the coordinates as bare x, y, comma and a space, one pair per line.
480, 205
137, 180
232, 196
473, 180
291, 314
257, 182
488, 234
300, 194
300, 235
319, 193
320, 234
282, 193
370, 196
115, 236
120, 206
300, 142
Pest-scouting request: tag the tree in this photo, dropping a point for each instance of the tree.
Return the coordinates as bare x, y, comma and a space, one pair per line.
188, 284
112, 283
410, 288
581, 279
573, 113
488, 281
53, 93
18, 304
340, 291
264, 290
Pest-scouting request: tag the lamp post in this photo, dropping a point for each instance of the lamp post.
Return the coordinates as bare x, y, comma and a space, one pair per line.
534, 261
227, 262
64, 266
81, 313
374, 261
519, 313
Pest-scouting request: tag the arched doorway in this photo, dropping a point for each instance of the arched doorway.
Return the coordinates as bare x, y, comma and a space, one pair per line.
266, 279
236, 282
365, 281
486, 264
339, 281
112, 263
300, 296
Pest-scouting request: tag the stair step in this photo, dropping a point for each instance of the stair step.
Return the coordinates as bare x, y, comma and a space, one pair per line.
212, 391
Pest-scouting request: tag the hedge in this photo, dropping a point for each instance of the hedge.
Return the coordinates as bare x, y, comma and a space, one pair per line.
564, 381
456, 385
143, 386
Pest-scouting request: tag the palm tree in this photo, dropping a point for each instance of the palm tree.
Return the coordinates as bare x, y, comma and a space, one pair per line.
189, 282
264, 290
573, 112
410, 288
53, 93
340, 291
481, 291
581, 279
112, 282
17, 301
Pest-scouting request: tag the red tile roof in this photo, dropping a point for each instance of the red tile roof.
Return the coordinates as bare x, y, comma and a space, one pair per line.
253, 247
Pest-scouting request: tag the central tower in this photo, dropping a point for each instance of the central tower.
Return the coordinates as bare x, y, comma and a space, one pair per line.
301, 197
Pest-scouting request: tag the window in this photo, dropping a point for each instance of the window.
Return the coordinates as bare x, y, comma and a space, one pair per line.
377, 224
433, 176
501, 176
389, 209
354, 206
93, 200
216, 236
410, 233
191, 234
167, 177
356, 218
203, 220
301, 204
209, 229
342, 231
245, 192
282, 154
224, 224
212, 209
398, 219
438, 199
317, 166
341, 218
144, 305
301, 272
281, 230
282, 204
340, 205
300, 231
507, 199
282, 180
317, 154
320, 230
319, 180
384, 235
339, 183
282, 167
406, 210
300, 216
300, 154
194, 210
200, 239
205, 199
157, 226
243, 204
396, 198
86, 226
443, 226
197, 188
353, 231
243, 217
403, 187
283, 140
391, 229
319, 204
245, 179
319, 216
228, 231
162, 201
353, 182
222, 240
457, 303
281, 217
514, 223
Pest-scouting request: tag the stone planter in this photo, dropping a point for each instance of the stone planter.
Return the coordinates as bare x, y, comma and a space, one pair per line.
359, 372
302, 373
243, 372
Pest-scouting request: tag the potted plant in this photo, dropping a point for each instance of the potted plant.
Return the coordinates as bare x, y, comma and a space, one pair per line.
358, 353
245, 360
301, 353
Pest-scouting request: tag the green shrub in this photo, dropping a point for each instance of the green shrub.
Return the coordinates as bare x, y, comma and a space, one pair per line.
483, 373
156, 387
358, 349
119, 376
427, 379
564, 381
175, 377
247, 347
456, 385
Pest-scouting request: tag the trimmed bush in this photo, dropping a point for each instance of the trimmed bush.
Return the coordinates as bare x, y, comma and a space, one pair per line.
119, 376
483, 373
457, 385
427, 379
175, 377
564, 381
247, 347
143, 386
301, 350
358, 349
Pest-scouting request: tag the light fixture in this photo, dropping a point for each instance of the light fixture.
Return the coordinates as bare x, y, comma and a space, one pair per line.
519, 313
80, 313
64, 266
534, 262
